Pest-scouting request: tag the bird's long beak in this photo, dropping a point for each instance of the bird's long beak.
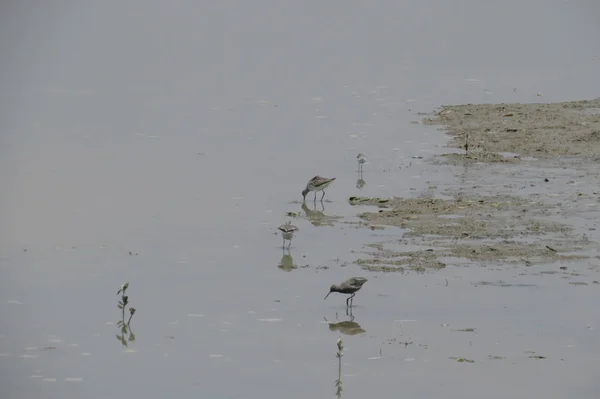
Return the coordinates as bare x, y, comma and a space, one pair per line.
327, 295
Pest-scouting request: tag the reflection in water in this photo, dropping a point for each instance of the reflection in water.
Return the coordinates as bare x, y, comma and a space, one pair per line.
127, 334
348, 327
287, 263
318, 217
360, 182
339, 354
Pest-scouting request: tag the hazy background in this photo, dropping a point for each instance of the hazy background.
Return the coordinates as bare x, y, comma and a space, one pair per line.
183, 130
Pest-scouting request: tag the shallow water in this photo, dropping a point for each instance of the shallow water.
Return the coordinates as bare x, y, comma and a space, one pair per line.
184, 132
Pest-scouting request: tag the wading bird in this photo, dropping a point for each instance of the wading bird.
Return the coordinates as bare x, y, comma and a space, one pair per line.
350, 286
287, 232
315, 184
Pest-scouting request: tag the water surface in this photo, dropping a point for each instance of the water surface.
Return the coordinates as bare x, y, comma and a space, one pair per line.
184, 131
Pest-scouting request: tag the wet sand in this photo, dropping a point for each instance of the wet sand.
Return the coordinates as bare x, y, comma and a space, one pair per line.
498, 217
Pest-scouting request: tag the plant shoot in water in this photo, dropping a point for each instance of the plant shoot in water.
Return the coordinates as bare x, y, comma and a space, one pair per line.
339, 354
124, 298
124, 326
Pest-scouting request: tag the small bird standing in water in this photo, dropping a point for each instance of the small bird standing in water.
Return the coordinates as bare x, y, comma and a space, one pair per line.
361, 161
315, 184
287, 232
350, 286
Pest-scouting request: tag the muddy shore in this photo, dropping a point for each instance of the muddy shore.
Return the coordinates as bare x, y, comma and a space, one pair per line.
511, 132
531, 168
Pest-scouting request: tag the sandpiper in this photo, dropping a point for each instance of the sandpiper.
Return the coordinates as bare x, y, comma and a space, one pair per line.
361, 161
350, 286
287, 231
315, 184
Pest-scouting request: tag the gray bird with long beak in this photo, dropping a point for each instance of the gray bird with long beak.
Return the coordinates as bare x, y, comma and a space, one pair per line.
315, 184
350, 286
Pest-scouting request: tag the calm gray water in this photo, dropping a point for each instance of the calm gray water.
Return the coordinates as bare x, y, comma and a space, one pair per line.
183, 131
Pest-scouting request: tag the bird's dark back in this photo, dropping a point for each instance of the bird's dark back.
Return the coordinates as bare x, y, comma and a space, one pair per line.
351, 285
357, 281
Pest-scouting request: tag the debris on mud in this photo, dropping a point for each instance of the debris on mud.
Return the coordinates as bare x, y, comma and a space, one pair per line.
512, 252
461, 359
381, 202
391, 261
534, 356
501, 283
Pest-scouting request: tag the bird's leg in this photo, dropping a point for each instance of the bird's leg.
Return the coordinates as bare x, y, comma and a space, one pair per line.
289, 244
349, 313
283, 242
351, 299
347, 303
323, 196
315, 200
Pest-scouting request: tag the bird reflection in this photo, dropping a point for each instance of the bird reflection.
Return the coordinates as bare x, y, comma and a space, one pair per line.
360, 182
348, 327
318, 217
287, 263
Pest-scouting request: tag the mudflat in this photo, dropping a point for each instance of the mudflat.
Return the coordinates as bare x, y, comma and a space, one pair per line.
527, 192
509, 132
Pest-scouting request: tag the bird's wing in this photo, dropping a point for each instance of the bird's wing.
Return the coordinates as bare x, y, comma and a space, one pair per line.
286, 228
358, 280
319, 181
